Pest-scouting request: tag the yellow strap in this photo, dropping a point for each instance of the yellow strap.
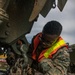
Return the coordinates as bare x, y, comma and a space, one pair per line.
54, 47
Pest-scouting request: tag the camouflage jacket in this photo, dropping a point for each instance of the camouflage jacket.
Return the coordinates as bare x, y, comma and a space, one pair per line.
58, 65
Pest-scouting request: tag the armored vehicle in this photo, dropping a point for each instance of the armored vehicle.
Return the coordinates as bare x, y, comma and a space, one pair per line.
16, 20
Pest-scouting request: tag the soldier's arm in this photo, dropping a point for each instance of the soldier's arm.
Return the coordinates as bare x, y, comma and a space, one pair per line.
56, 66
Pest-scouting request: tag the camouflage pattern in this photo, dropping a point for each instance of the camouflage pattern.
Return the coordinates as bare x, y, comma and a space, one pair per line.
20, 66
18, 69
57, 65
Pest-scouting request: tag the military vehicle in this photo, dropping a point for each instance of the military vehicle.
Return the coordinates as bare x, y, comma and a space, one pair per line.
16, 20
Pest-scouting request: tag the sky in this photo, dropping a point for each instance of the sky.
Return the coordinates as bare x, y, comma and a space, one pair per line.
66, 18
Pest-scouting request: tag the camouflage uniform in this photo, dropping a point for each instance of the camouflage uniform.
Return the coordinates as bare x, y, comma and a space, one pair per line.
58, 65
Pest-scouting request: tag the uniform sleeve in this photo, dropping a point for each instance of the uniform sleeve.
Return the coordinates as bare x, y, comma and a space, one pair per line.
56, 66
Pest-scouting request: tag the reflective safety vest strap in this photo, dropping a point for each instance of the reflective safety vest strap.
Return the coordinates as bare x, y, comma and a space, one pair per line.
36, 42
54, 48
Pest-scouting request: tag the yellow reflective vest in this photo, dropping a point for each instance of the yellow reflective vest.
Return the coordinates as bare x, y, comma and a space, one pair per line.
49, 52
